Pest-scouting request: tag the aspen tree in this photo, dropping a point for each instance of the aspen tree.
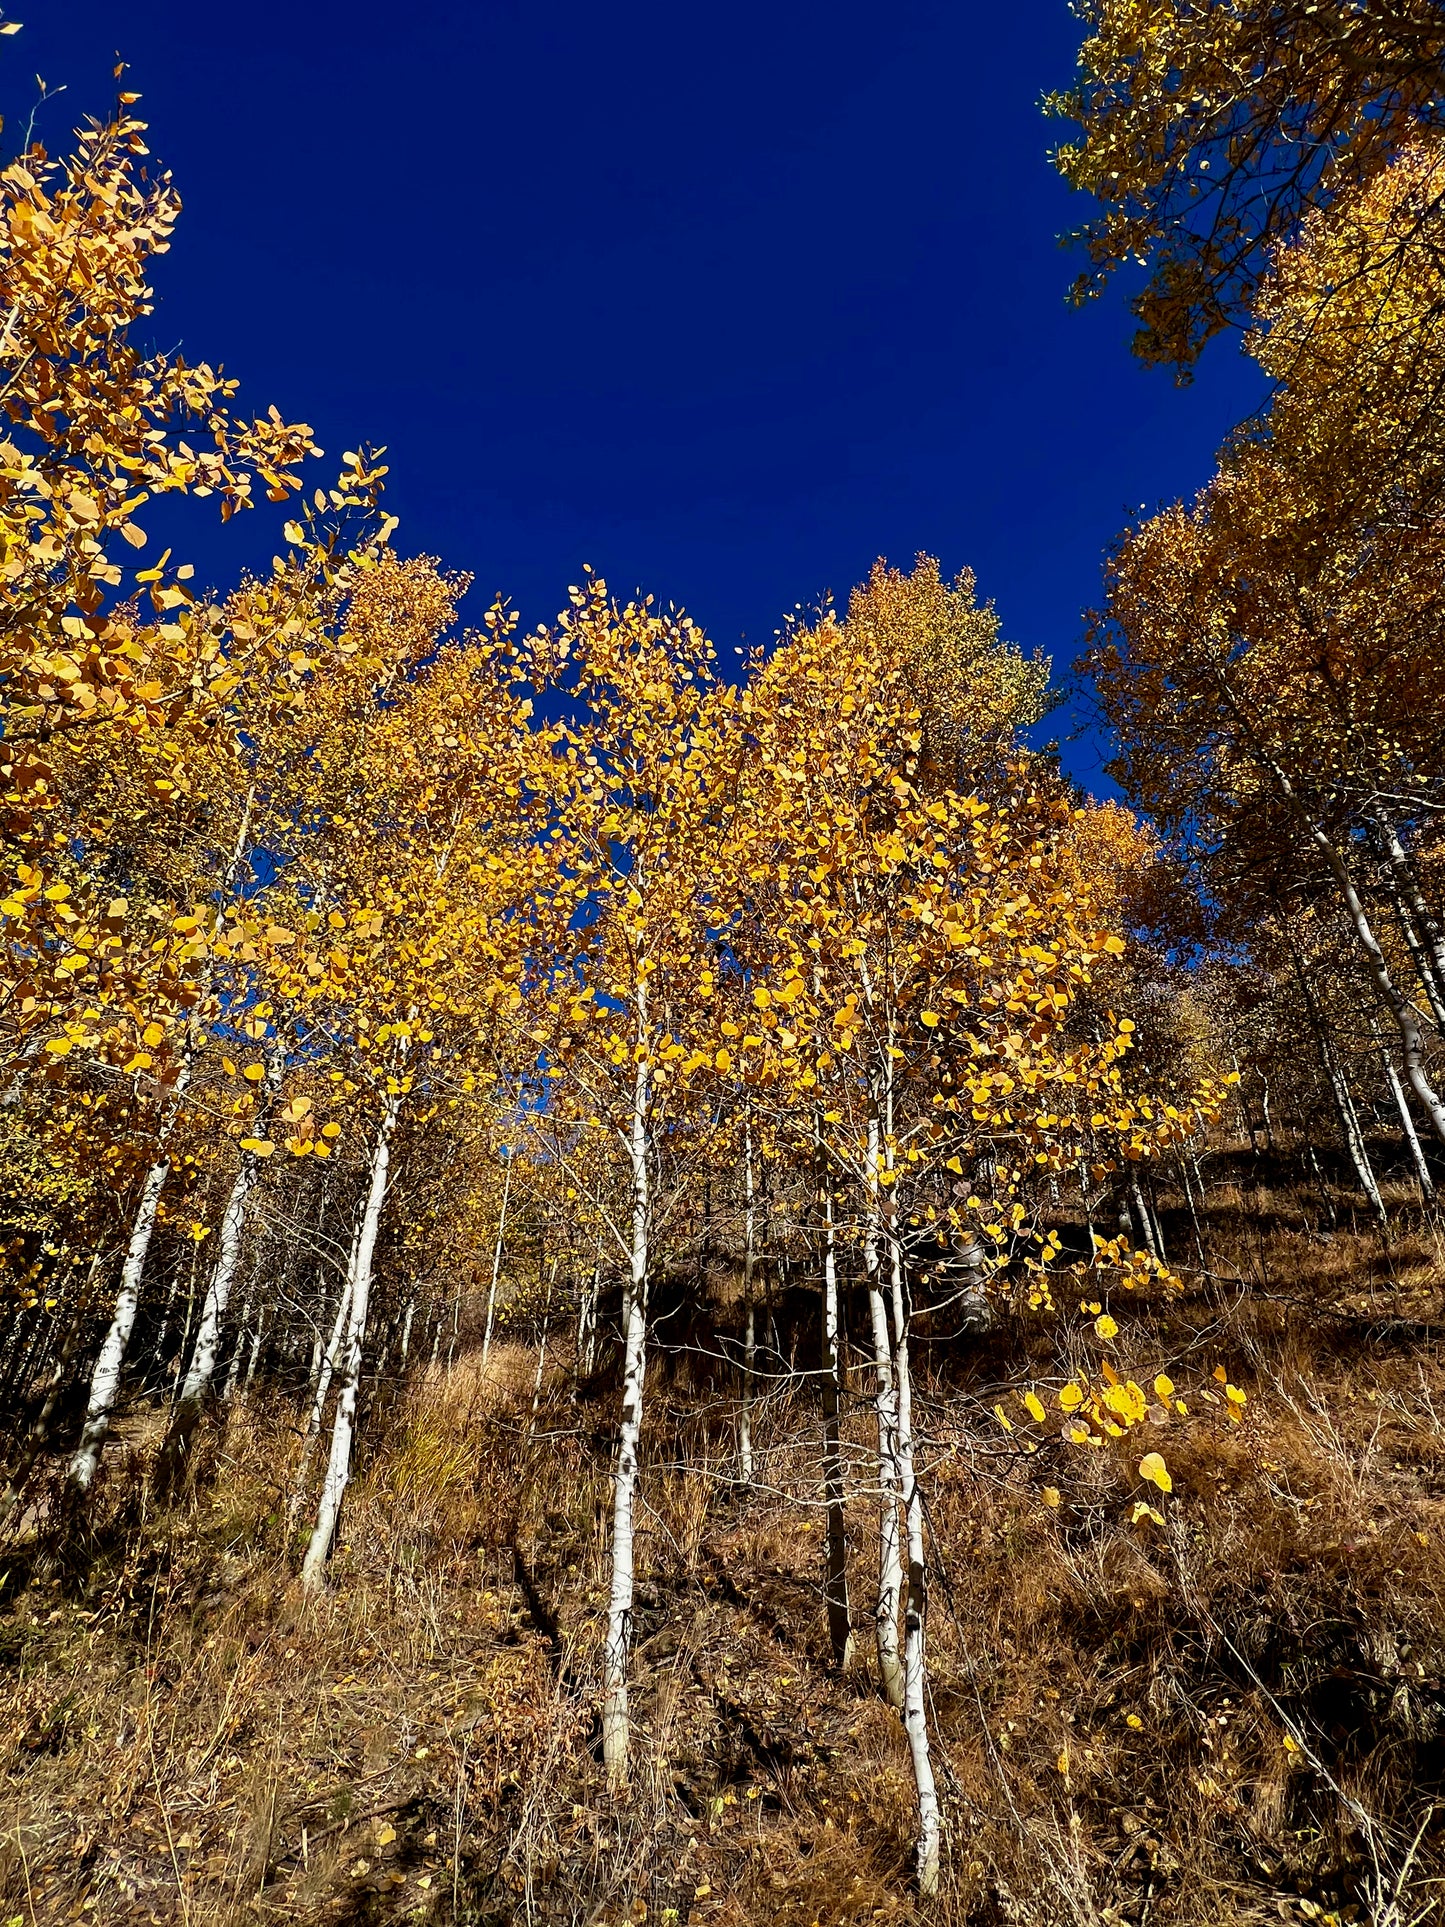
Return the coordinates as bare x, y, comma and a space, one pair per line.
633, 788
1271, 655
745, 1409
913, 980
338, 1469
1208, 133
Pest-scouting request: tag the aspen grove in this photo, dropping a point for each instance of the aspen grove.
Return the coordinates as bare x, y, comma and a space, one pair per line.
629, 1291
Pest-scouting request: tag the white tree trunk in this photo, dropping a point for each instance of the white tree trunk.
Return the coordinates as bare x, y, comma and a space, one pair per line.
1412, 1042
1407, 1125
257, 1335
1193, 1210
338, 1470
835, 1583
915, 1679
890, 1567
745, 1413
1144, 1224
587, 1320
1422, 931
615, 1723
105, 1379
1354, 1139
1350, 1131
327, 1368
218, 1294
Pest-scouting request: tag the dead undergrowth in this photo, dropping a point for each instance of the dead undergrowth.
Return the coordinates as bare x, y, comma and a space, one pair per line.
1236, 1716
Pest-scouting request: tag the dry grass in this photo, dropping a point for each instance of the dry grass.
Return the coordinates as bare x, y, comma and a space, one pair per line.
1236, 1717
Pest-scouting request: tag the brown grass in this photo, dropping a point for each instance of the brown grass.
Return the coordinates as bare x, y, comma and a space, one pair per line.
186, 1741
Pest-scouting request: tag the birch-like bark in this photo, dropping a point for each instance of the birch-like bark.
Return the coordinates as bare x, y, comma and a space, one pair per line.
745, 1412
206, 1350
338, 1470
915, 1679
615, 1722
1193, 1210
325, 1372
1407, 1022
105, 1379
1354, 1136
1422, 930
1423, 1175
1350, 1131
835, 1585
1142, 1219
1326, 1195
1087, 1201
497, 1260
257, 1335
890, 1566
587, 1323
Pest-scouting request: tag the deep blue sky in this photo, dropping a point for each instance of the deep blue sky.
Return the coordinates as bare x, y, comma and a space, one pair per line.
724, 300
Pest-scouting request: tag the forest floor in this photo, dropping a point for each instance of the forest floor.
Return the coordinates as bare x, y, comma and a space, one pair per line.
1236, 1716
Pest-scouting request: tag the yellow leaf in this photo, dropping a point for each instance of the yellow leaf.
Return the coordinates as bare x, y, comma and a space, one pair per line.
1164, 1387
1034, 1407
928, 1017
1105, 1326
154, 1034
58, 1046
1052, 1495
1153, 1468
385, 1835
262, 1146
253, 1073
